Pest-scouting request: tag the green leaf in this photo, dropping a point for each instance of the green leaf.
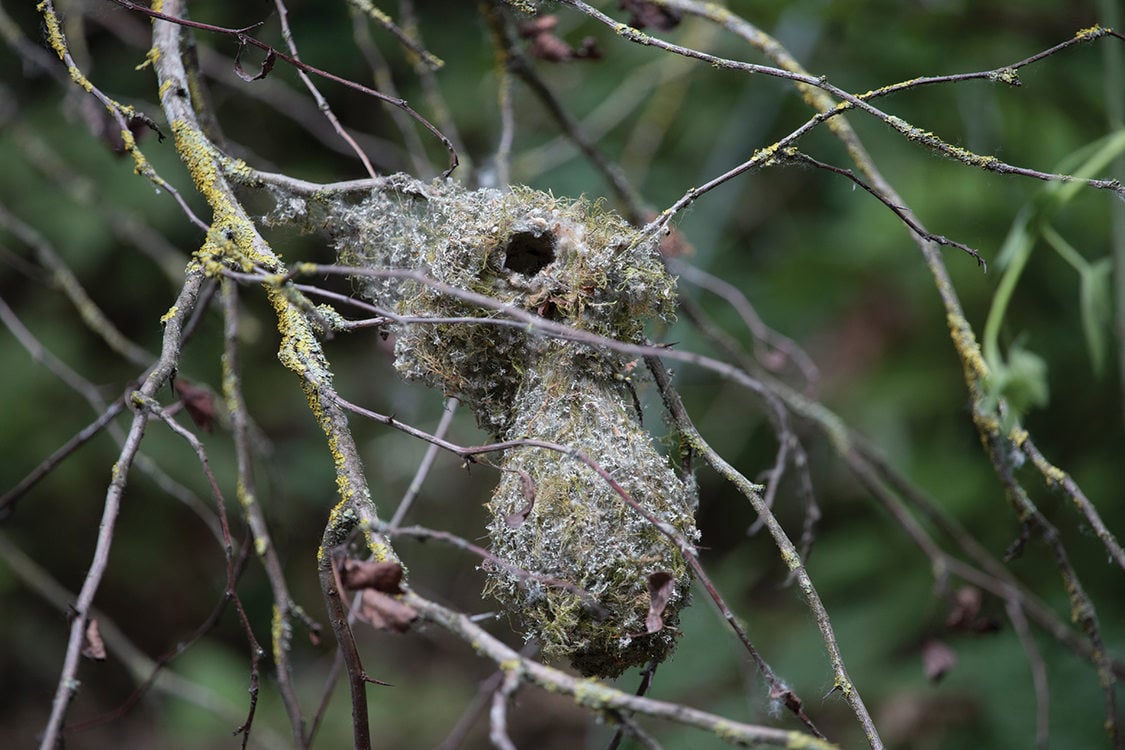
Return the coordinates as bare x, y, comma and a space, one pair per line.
1094, 302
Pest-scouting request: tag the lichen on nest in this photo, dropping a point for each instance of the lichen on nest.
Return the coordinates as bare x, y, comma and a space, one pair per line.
571, 262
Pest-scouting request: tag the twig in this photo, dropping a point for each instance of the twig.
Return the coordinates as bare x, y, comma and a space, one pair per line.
124, 116
255, 517
149, 673
598, 697
169, 356
519, 65
1038, 673
321, 103
780, 346
300, 350
1056, 477
849, 101
60, 274
403, 508
245, 39
788, 551
9, 499
381, 73
498, 715
473, 711
642, 689
906, 219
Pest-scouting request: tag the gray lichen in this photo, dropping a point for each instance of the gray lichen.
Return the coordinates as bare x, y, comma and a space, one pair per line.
570, 262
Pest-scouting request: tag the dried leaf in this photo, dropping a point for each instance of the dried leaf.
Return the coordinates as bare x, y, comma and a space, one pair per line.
369, 574
267, 65
384, 612
527, 489
937, 659
92, 645
545, 45
661, 584
199, 403
780, 692
965, 608
643, 13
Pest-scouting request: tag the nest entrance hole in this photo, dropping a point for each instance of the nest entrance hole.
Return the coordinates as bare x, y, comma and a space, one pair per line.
529, 253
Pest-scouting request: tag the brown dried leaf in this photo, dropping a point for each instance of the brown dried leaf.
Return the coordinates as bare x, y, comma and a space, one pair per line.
544, 44
93, 647
527, 489
661, 584
369, 574
937, 659
267, 65
965, 613
384, 612
965, 608
199, 403
538, 25
643, 13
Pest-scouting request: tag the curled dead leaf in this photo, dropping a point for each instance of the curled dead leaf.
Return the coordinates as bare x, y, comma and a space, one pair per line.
267, 65
93, 647
384, 612
385, 577
644, 13
661, 584
937, 659
544, 44
199, 403
527, 489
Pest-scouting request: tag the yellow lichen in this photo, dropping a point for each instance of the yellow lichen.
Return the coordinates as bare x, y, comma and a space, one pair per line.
54, 32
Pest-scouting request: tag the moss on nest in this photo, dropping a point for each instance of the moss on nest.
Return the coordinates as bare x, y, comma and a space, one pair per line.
570, 262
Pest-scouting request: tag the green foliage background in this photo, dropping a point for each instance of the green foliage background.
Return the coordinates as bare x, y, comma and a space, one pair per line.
822, 262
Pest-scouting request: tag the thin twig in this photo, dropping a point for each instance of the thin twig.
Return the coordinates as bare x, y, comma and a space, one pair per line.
255, 517
599, 697
245, 39
1038, 673
789, 555
1056, 477
447, 412
169, 356
906, 219
498, 715
321, 103
8, 499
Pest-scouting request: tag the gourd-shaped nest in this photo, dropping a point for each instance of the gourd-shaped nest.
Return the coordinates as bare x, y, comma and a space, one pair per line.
553, 516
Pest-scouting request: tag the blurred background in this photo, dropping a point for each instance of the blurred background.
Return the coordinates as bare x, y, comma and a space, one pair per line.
822, 262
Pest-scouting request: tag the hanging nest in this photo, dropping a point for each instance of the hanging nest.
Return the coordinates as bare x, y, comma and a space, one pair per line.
553, 517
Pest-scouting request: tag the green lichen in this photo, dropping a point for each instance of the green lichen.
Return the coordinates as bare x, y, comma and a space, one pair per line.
570, 262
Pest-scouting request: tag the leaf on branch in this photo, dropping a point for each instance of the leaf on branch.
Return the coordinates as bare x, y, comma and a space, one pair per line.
644, 13
384, 577
781, 692
92, 645
661, 584
543, 44
267, 64
384, 612
105, 126
966, 606
527, 489
937, 659
139, 120
199, 403
964, 613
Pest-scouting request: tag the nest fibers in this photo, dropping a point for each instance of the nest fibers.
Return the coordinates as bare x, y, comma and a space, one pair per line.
590, 556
